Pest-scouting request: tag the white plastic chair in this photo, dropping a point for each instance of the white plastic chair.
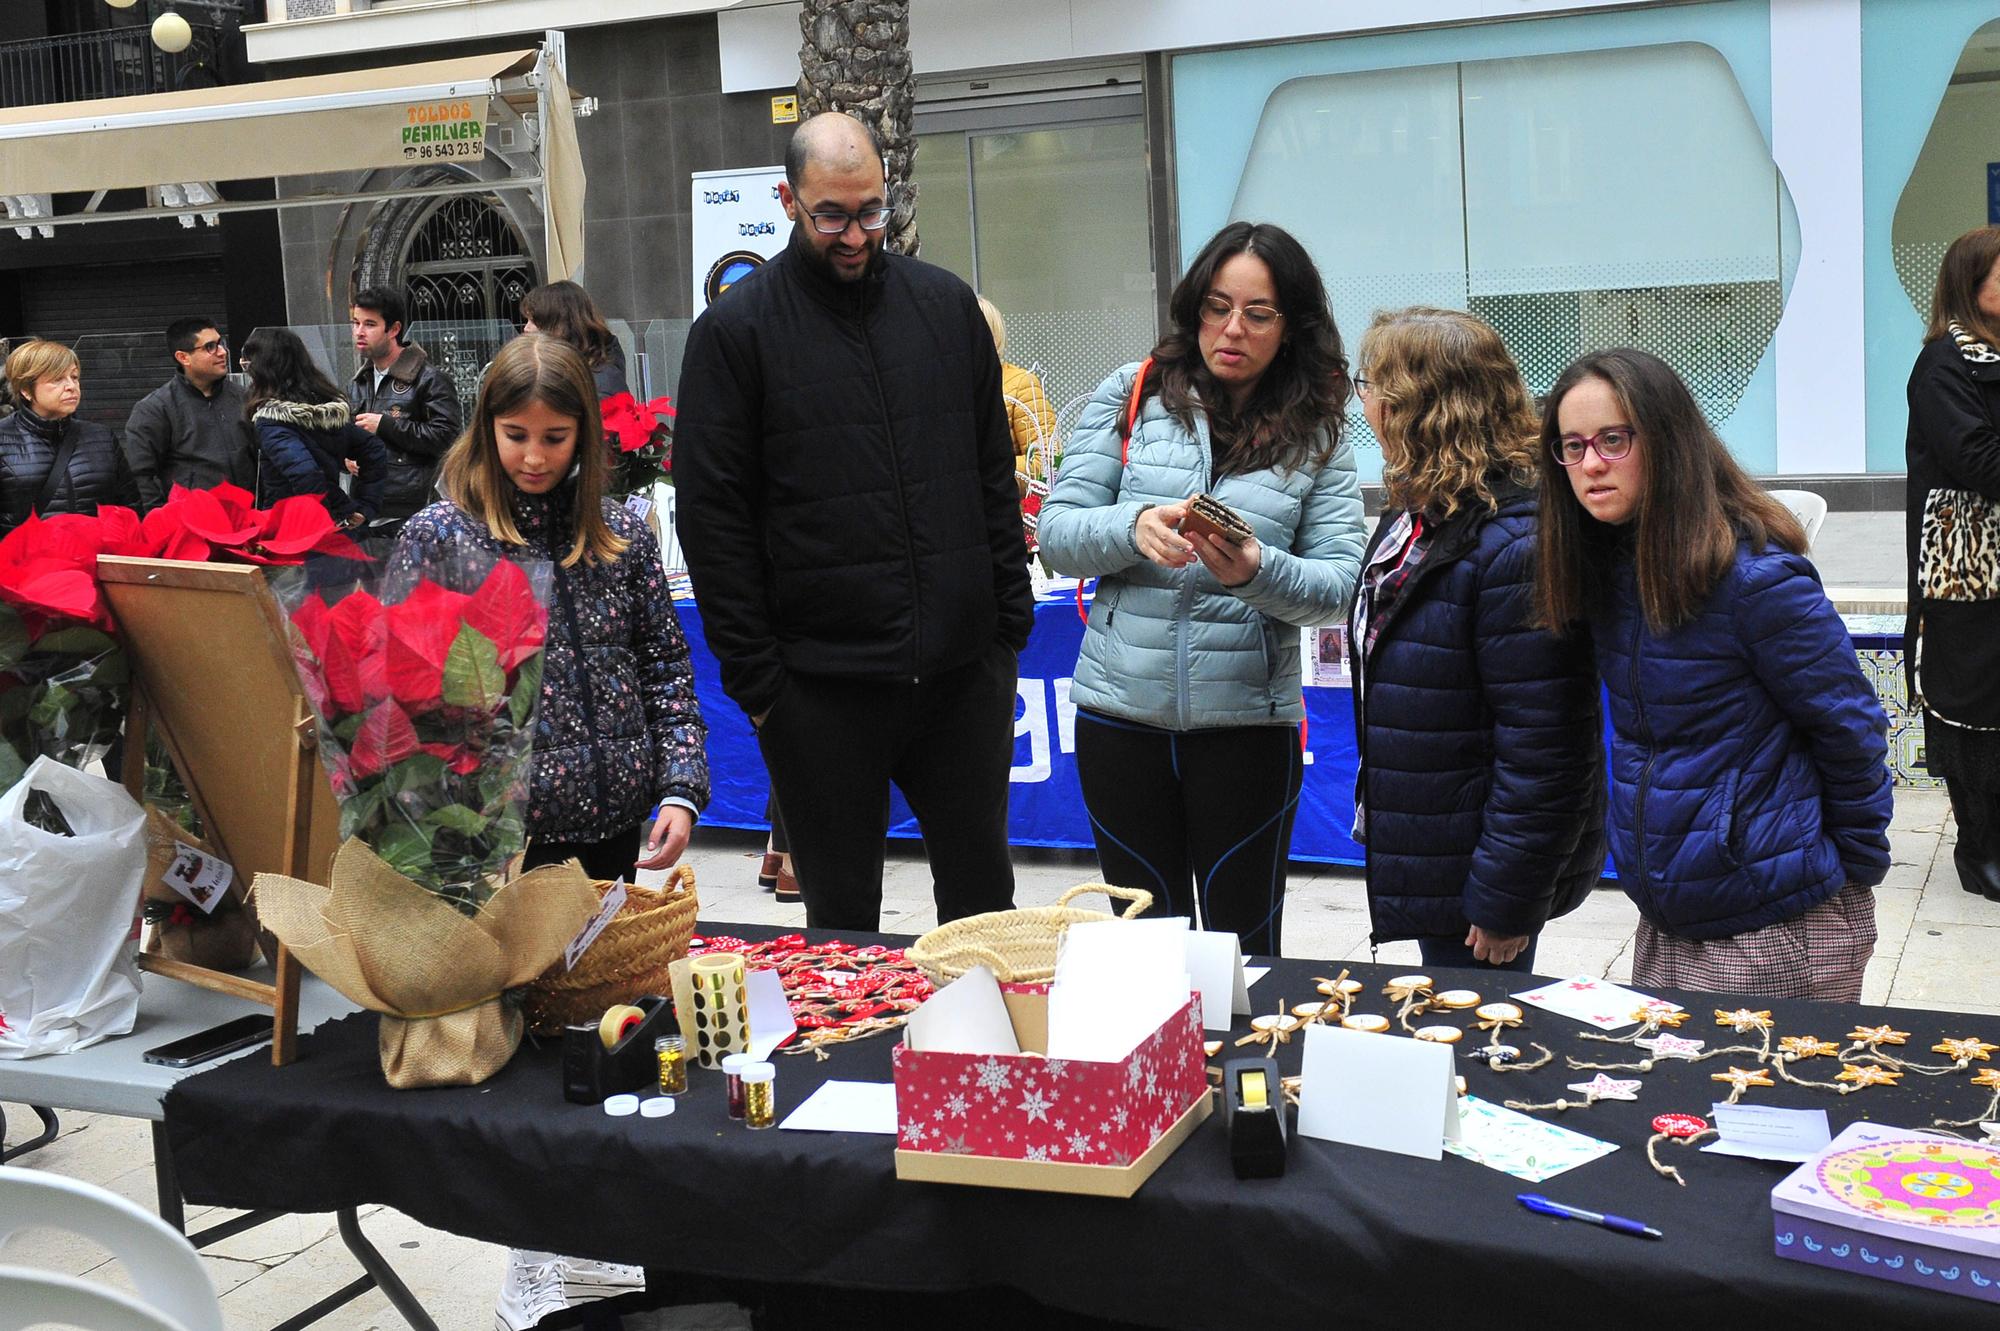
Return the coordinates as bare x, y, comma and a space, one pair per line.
174, 1289
34, 1298
1807, 507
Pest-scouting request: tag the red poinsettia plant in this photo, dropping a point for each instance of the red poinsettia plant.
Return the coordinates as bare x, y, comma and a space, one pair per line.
63, 675
425, 698
640, 436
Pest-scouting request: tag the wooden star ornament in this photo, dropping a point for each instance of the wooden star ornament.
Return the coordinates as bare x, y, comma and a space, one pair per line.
1878, 1035
1867, 1074
1743, 1019
1806, 1046
1659, 1014
1743, 1078
1988, 1077
1965, 1051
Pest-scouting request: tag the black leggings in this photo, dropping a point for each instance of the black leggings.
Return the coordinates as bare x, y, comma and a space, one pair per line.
607, 860
1200, 818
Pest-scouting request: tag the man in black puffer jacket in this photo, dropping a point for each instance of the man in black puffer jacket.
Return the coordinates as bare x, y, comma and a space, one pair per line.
848, 511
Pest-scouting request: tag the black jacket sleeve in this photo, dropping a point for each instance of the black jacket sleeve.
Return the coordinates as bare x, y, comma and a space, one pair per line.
1001, 499
148, 438
719, 511
373, 456
1948, 411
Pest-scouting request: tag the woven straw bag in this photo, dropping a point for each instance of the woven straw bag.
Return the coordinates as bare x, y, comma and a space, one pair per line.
1018, 946
629, 960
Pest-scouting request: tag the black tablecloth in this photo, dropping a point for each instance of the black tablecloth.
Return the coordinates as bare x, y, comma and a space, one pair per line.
1348, 1236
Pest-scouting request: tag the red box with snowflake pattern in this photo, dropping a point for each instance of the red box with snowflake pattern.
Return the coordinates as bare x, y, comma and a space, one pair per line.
1026, 1121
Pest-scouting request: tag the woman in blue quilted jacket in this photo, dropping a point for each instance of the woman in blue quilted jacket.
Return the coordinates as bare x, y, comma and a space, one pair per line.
1187, 688
1480, 795
1750, 794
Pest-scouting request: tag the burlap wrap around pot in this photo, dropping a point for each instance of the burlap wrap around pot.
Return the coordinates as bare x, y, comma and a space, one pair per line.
434, 974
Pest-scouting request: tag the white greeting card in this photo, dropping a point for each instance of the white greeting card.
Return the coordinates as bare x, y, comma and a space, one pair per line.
1116, 982
967, 1016
846, 1106
1215, 964
1378, 1091
1593, 1001
1515, 1143
771, 1021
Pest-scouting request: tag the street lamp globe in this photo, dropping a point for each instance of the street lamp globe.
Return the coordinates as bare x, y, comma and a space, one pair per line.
171, 33
121, 4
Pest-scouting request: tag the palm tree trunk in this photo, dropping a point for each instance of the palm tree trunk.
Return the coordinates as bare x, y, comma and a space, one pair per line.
854, 56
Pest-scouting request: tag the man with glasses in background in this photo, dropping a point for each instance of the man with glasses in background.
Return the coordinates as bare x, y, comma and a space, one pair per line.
192, 430
848, 511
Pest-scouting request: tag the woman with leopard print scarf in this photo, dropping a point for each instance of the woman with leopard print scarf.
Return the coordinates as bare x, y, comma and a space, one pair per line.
1953, 508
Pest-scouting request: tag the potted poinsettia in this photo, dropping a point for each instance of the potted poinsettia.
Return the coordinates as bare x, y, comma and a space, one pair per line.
641, 438
426, 705
425, 693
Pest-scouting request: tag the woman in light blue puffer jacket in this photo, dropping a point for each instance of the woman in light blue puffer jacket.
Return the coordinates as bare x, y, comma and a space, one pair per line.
1188, 687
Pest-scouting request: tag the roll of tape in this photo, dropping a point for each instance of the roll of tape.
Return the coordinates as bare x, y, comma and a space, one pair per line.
611, 1027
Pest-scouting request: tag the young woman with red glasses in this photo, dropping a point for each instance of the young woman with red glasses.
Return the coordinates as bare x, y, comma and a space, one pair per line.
1750, 795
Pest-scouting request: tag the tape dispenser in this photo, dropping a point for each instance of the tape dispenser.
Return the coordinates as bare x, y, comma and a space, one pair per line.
1255, 1103
616, 1054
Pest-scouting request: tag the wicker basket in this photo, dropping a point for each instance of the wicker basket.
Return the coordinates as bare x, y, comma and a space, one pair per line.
1018, 946
629, 960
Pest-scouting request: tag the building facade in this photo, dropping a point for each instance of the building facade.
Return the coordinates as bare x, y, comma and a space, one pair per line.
1757, 189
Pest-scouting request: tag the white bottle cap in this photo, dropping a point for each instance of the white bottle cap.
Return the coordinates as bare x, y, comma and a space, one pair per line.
658, 1107
755, 1072
733, 1064
621, 1106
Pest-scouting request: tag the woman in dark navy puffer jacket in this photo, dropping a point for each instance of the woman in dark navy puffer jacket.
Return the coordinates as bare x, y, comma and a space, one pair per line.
44, 380
1750, 795
1480, 795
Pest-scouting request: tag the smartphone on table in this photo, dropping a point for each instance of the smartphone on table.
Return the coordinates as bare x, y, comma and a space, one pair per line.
214, 1042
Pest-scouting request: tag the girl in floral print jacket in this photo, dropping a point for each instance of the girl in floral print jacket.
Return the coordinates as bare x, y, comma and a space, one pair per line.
619, 727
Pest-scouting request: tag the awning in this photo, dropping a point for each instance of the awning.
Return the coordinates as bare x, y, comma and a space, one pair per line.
440, 111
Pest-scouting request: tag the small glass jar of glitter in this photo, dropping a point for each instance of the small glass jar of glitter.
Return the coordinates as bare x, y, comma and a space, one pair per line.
670, 1051
760, 1095
732, 1080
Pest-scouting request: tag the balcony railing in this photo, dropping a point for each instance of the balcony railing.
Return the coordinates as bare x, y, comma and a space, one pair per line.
121, 62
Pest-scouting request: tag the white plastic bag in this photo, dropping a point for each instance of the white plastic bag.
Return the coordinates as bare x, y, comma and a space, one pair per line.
68, 970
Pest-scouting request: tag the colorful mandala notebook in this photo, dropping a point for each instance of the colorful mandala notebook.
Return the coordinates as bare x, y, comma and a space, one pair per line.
1909, 1206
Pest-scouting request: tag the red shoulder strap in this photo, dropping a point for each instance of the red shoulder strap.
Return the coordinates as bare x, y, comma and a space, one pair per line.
1132, 411
1126, 427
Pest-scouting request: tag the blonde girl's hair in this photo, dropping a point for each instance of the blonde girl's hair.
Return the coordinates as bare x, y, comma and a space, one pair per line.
534, 368
995, 325
1456, 416
34, 361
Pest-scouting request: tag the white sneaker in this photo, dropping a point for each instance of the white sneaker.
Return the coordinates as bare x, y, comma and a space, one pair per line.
584, 1279
533, 1289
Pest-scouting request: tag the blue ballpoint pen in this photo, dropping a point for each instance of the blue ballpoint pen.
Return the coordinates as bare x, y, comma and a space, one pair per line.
1534, 1201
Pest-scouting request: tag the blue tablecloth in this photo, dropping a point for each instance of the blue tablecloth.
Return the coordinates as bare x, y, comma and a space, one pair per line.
1047, 805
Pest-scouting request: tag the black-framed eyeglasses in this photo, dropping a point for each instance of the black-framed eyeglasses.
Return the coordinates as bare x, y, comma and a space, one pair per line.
835, 222
1610, 444
212, 345
1215, 312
